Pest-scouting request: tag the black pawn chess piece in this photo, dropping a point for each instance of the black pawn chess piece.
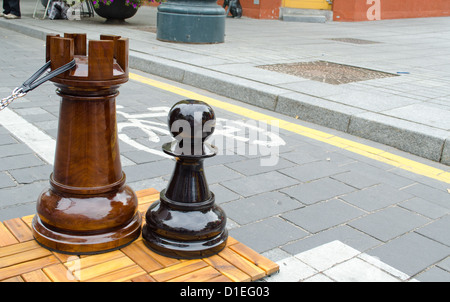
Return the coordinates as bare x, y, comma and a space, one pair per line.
185, 222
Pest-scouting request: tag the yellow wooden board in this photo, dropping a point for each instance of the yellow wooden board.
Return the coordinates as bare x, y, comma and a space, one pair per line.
307, 4
22, 259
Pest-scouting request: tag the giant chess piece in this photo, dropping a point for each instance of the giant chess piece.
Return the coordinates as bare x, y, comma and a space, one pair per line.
185, 222
88, 208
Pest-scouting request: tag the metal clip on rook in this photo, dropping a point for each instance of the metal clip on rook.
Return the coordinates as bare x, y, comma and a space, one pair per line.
88, 208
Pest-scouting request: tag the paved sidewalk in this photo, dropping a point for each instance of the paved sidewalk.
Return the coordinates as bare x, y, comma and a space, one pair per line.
325, 213
410, 111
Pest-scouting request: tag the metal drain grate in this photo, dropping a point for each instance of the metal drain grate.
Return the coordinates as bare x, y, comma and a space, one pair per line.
328, 72
354, 41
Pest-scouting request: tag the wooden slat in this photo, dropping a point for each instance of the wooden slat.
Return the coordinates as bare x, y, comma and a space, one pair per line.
6, 238
25, 267
28, 219
19, 229
146, 192
23, 257
13, 279
227, 269
201, 275
91, 272
177, 270
121, 275
36, 276
220, 278
141, 257
90, 260
19, 248
268, 266
143, 278
165, 261
242, 263
59, 273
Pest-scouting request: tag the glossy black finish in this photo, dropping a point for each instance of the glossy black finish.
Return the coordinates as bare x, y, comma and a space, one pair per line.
186, 222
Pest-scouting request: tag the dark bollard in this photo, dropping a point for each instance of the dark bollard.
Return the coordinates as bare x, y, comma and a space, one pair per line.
88, 207
186, 223
191, 21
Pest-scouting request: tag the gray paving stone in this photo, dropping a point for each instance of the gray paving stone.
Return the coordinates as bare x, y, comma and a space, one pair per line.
6, 139
411, 253
18, 210
436, 196
220, 173
437, 230
389, 223
256, 184
20, 161
373, 101
425, 207
253, 166
324, 215
376, 197
222, 194
32, 174
21, 194
434, 274
14, 149
315, 170
148, 170
445, 264
140, 157
376, 171
423, 114
356, 179
318, 190
347, 235
267, 234
6, 180
258, 207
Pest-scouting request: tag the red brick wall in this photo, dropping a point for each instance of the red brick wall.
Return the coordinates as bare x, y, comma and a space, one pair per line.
364, 10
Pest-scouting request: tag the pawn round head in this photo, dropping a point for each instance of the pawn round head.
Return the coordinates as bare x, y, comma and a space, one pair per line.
191, 119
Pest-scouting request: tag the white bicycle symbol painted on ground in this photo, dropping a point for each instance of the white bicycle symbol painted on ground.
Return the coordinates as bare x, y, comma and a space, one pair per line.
230, 136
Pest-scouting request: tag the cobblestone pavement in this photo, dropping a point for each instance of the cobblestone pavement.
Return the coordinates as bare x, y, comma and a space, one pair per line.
324, 211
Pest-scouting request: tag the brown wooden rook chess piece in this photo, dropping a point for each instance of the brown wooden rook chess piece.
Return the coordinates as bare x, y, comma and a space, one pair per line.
88, 207
185, 222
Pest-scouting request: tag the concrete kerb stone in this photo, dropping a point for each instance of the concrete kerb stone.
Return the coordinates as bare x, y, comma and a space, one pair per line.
406, 136
445, 158
316, 110
417, 139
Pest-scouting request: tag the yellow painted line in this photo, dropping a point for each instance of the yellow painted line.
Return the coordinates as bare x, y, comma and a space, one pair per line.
358, 148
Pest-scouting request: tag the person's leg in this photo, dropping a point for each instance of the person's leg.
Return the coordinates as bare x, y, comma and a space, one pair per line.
15, 7
6, 8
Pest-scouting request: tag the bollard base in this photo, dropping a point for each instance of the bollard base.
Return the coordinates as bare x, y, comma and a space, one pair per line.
187, 23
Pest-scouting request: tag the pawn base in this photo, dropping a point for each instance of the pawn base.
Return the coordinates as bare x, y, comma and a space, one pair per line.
184, 249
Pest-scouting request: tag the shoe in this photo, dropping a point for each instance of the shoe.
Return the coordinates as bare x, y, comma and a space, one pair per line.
11, 16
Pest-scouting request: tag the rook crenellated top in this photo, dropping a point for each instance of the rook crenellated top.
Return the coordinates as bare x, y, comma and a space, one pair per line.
101, 62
